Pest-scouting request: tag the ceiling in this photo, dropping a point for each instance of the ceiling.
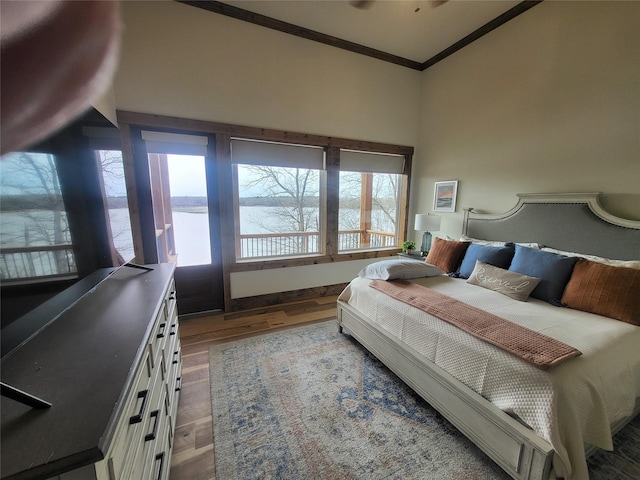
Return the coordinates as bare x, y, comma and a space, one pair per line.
394, 27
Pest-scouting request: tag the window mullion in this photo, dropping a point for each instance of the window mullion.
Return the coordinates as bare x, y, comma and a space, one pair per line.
366, 205
333, 199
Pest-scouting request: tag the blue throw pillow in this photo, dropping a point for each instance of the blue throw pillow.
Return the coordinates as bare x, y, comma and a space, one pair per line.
553, 270
497, 256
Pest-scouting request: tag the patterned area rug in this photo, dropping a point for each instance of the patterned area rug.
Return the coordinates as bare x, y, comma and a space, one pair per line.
310, 403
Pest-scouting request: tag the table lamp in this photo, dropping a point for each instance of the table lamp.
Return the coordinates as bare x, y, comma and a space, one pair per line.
427, 223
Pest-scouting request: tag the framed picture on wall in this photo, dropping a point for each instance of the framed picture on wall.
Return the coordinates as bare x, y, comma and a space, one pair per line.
444, 198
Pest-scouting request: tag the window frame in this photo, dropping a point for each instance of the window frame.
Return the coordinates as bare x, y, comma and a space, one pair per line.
329, 210
369, 166
329, 188
316, 162
68, 248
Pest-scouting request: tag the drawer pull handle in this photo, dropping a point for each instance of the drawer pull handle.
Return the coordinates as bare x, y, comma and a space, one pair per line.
152, 435
172, 295
178, 384
160, 457
174, 328
175, 357
144, 394
163, 327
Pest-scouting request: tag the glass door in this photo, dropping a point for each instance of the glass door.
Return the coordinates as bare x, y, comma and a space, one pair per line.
182, 177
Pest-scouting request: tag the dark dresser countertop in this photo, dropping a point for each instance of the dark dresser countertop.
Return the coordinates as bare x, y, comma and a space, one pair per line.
83, 364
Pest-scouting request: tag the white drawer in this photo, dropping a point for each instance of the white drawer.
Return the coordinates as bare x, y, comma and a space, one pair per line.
153, 443
158, 462
171, 352
147, 455
130, 423
173, 380
170, 300
159, 455
152, 428
158, 337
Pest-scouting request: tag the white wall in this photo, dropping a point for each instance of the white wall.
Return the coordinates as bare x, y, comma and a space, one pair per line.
549, 102
245, 284
182, 61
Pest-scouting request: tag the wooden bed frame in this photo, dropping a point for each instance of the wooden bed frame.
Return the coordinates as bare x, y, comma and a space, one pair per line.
552, 220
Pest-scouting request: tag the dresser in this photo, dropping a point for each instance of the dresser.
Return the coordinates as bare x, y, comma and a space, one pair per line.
110, 365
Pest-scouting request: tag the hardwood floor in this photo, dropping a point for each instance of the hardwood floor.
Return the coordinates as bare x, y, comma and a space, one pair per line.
192, 457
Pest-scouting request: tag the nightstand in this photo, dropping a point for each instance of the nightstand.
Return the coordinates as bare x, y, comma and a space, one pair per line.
416, 256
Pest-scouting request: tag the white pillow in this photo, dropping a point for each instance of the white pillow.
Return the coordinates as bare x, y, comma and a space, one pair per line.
464, 238
399, 269
607, 261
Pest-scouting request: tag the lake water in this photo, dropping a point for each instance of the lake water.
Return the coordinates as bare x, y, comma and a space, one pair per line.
191, 229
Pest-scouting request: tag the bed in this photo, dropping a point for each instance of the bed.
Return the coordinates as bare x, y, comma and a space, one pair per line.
535, 422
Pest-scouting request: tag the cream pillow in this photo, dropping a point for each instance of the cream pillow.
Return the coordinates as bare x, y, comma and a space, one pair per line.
464, 238
607, 261
511, 284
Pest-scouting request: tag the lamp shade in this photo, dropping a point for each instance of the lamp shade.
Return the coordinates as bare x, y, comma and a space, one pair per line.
427, 223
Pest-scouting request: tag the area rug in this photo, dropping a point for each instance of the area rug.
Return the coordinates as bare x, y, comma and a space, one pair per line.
311, 403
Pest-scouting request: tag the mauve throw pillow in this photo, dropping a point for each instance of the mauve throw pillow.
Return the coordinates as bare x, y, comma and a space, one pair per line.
606, 290
446, 254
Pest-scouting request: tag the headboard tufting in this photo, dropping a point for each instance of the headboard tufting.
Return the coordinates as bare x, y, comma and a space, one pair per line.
573, 222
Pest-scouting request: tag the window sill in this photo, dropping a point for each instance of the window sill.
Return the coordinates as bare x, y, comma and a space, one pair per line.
284, 262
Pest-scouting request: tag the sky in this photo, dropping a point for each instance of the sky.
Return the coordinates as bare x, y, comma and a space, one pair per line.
187, 176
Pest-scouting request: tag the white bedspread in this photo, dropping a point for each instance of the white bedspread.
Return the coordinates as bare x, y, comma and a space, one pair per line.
570, 405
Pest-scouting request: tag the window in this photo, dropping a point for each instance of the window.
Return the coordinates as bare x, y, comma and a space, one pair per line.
279, 198
115, 193
293, 199
34, 238
177, 173
369, 200
105, 143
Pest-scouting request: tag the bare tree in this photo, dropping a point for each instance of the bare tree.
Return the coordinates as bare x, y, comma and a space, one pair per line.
31, 191
294, 194
113, 179
350, 192
112, 170
383, 202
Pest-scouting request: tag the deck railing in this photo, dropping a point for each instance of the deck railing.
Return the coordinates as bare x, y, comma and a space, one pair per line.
300, 243
22, 263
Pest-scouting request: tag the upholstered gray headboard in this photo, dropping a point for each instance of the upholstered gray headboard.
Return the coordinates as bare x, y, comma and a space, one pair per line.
571, 222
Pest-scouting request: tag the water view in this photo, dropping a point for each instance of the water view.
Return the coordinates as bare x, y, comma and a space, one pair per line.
191, 231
